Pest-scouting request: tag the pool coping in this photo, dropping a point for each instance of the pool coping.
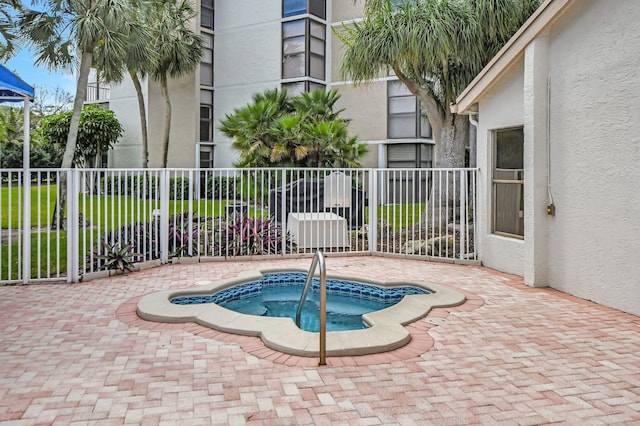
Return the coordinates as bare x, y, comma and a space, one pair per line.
386, 331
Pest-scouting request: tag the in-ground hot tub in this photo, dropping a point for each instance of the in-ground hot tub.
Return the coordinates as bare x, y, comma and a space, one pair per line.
256, 300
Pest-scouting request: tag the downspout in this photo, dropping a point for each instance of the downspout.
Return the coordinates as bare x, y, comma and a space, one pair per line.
473, 119
551, 208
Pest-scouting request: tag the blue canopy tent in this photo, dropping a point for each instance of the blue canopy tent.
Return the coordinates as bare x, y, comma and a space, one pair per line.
14, 89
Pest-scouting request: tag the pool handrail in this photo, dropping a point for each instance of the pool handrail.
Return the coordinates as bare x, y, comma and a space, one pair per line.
318, 261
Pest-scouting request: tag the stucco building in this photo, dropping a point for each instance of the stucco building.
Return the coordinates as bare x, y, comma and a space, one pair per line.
255, 45
558, 113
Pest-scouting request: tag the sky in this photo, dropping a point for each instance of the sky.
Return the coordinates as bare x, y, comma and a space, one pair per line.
23, 65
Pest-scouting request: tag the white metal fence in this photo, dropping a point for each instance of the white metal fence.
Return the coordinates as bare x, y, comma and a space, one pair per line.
166, 214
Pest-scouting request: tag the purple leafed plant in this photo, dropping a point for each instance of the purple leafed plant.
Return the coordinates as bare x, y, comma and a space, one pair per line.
251, 236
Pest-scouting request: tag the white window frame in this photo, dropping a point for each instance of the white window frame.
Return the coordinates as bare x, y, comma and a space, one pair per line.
518, 179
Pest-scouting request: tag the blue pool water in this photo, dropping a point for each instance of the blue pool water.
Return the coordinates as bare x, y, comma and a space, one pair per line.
277, 295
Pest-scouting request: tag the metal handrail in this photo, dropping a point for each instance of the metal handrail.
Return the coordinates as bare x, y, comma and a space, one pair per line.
318, 260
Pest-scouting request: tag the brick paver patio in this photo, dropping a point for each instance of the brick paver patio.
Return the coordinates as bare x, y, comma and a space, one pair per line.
77, 354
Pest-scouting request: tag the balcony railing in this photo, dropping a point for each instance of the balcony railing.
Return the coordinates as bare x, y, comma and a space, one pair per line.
97, 93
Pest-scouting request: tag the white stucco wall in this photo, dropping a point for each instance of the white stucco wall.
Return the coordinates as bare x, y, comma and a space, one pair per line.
590, 247
124, 103
184, 116
500, 108
248, 60
594, 239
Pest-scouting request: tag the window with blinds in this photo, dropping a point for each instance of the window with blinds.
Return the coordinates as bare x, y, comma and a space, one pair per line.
508, 182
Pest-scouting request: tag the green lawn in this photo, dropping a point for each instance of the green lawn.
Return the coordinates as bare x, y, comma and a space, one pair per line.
400, 216
51, 262
106, 213
118, 210
11, 205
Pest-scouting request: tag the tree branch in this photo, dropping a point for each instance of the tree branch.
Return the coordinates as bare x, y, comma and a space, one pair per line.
430, 104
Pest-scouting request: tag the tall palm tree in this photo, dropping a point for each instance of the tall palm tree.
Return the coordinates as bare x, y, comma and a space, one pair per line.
179, 51
64, 34
435, 47
138, 61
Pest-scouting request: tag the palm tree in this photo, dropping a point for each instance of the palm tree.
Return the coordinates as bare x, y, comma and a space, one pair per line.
318, 104
435, 47
65, 33
254, 128
300, 131
67, 29
138, 61
179, 51
328, 142
8, 10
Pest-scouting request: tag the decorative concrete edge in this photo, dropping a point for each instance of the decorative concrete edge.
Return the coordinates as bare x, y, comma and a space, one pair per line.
140, 266
385, 334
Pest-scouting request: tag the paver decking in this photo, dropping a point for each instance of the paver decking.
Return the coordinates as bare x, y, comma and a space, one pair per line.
77, 354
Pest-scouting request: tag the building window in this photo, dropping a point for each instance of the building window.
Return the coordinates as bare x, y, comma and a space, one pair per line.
300, 7
508, 182
206, 115
206, 63
206, 14
205, 155
303, 49
409, 186
294, 49
405, 118
409, 155
297, 87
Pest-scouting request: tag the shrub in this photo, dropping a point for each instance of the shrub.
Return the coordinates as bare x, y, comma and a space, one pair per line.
145, 187
221, 187
250, 236
114, 257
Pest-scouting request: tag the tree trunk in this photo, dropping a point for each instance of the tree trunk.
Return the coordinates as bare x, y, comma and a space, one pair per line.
452, 143
450, 147
143, 120
81, 94
86, 60
167, 121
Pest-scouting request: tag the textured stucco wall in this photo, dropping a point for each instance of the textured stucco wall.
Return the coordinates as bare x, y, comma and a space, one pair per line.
184, 113
594, 239
346, 10
247, 60
500, 108
366, 107
124, 103
590, 247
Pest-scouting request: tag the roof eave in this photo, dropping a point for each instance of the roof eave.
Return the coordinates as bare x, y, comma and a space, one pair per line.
544, 16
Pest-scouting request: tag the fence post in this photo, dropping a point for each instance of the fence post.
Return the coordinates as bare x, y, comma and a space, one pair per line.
463, 213
190, 188
164, 216
73, 226
283, 211
372, 231
26, 225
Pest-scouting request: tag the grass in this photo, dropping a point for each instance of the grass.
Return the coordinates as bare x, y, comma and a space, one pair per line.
401, 216
119, 210
11, 205
51, 259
